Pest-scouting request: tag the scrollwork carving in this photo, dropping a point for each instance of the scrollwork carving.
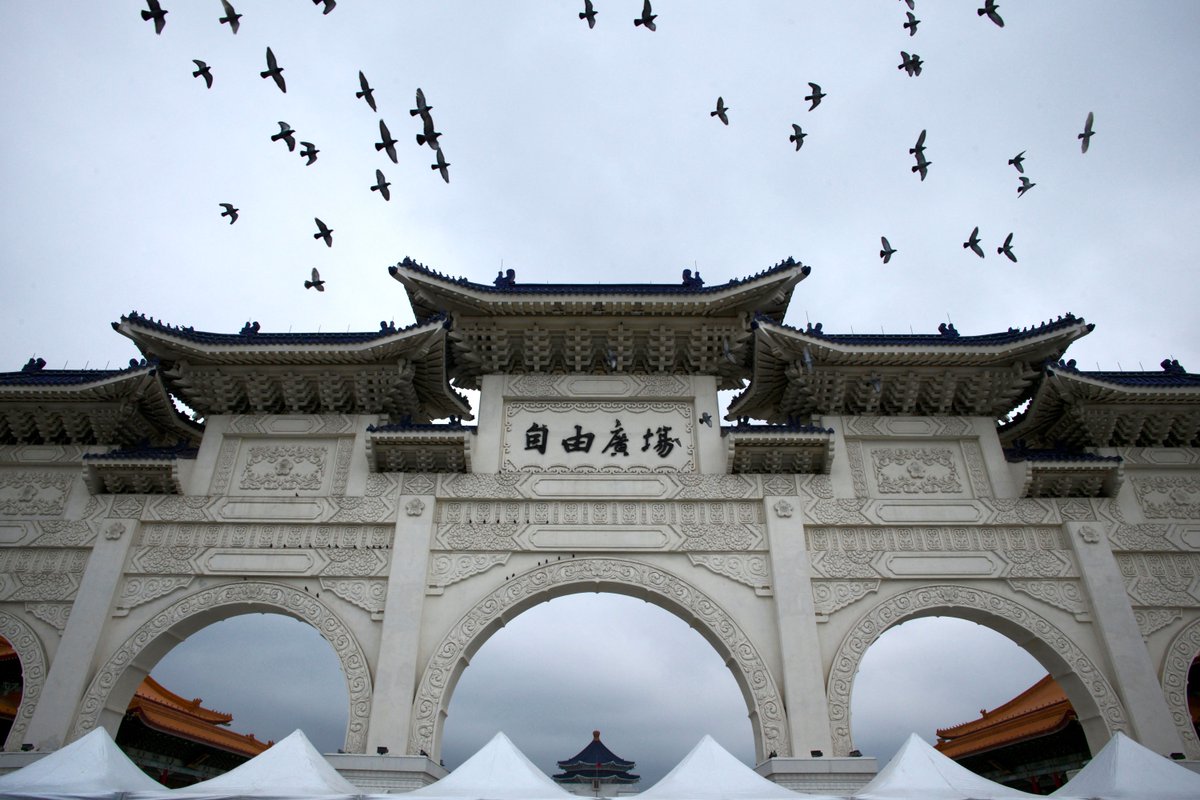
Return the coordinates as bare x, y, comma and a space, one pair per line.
290, 467
371, 596
913, 470
1168, 496
53, 614
446, 569
32, 656
1180, 654
1152, 620
1065, 595
34, 492
831, 596
749, 570
143, 589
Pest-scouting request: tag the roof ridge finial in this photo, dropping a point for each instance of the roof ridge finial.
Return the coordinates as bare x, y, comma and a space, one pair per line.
505, 279
34, 365
1172, 366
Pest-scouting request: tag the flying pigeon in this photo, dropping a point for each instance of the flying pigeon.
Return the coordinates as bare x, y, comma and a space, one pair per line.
919, 148
1006, 249
329, 5
912, 4
886, 252
157, 13
230, 212
912, 23
386, 142
816, 96
381, 185
646, 18
720, 113
922, 165
797, 136
367, 92
588, 13
274, 71
421, 108
989, 8
973, 243
1087, 134
910, 63
316, 282
323, 232
287, 134
231, 17
1018, 161
310, 152
441, 165
1025, 186
202, 69
429, 135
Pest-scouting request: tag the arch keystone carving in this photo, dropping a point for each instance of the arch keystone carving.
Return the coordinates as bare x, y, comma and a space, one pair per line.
620, 576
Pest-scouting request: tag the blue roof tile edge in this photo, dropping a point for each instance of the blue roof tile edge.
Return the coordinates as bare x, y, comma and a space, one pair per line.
71, 377
1172, 374
421, 427
787, 427
144, 452
251, 333
946, 335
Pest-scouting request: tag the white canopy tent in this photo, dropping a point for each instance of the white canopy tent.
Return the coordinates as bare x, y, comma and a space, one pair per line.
1125, 770
90, 768
710, 772
497, 771
919, 772
291, 769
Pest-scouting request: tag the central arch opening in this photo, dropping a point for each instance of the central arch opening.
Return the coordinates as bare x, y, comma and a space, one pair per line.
650, 683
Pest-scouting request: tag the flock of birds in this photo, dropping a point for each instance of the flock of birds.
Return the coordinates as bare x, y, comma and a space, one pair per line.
154, 12
911, 63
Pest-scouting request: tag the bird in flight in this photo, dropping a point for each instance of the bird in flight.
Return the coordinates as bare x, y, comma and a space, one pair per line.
646, 18
910, 63
287, 134
157, 13
323, 232
1025, 186
428, 135
1087, 134
922, 165
816, 97
441, 166
797, 136
912, 4
310, 152
989, 8
886, 252
381, 185
919, 148
231, 17
422, 107
973, 243
274, 71
316, 282
1018, 161
912, 23
721, 112
588, 13
230, 212
1006, 249
386, 142
366, 92
329, 5
203, 69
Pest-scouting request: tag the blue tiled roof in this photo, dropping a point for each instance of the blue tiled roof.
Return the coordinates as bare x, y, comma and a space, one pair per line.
596, 753
510, 286
68, 377
1172, 375
144, 452
947, 334
423, 427
1016, 454
251, 335
787, 427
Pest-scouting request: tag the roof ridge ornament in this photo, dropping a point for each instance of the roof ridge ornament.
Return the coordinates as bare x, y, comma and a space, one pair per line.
692, 281
34, 365
505, 279
947, 329
1172, 366
249, 329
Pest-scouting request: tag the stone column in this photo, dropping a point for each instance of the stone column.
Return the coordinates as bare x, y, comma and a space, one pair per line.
1131, 670
71, 669
803, 681
397, 673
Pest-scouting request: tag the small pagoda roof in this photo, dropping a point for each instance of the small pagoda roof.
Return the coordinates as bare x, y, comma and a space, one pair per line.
413, 447
767, 292
792, 448
398, 372
804, 373
1040, 710
596, 756
1078, 408
139, 469
89, 407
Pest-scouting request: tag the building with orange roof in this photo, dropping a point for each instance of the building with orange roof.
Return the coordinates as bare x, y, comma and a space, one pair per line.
174, 740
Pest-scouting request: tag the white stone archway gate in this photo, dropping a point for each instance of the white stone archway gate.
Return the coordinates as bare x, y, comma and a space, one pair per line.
881, 489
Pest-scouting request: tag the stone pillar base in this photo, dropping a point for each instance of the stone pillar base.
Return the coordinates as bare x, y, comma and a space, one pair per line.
386, 774
14, 760
830, 775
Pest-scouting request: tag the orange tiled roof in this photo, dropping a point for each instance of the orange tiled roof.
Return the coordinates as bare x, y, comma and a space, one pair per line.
167, 712
1039, 710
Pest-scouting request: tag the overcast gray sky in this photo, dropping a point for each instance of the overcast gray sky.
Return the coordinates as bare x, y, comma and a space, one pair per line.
590, 155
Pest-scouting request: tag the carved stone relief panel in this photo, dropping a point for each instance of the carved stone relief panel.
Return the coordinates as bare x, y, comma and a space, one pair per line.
831, 596
41, 454
35, 492
292, 425
874, 427
753, 571
1152, 620
450, 568
1066, 595
268, 467
1160, 456
1161, 579
916, 471
53, 614
591, 437
41, 574
142, 589
1168, 496
369, 595
573, 386
661, 486
62, 533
